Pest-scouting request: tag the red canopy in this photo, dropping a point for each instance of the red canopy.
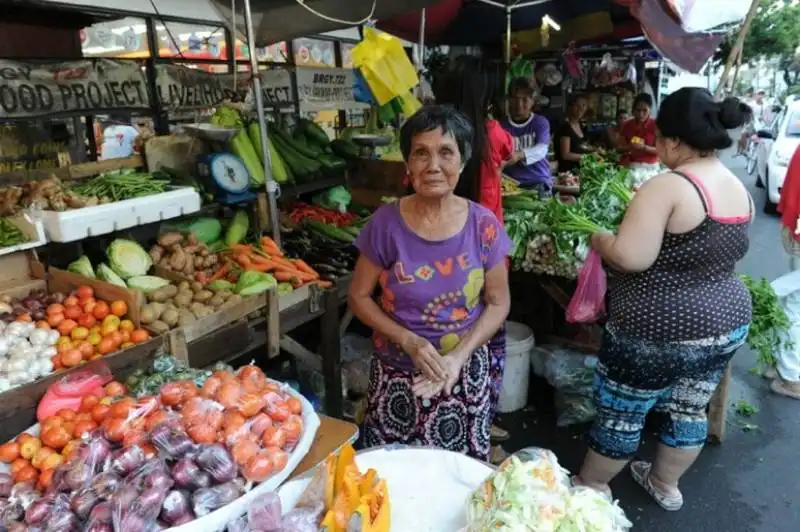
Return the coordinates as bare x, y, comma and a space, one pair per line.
437, 18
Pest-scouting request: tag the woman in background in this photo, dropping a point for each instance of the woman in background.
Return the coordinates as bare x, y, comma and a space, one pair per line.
637, 141
469, 85
678, 312
570, 143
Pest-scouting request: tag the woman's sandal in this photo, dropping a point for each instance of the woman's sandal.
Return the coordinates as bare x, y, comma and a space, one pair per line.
788, 389
641, 474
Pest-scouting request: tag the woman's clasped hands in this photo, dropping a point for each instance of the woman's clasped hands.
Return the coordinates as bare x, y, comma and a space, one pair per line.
437, 373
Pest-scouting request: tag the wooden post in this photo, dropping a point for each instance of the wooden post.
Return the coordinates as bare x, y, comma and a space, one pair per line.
331, 352
718, 408
736, 71
737, 48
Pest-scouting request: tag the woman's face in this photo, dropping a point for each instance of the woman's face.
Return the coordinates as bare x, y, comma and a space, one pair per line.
434, 163
579, 107
641, 112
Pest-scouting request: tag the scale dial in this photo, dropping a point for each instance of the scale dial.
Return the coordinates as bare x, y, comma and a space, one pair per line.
229, 173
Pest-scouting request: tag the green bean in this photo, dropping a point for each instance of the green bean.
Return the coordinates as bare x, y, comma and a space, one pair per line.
10, 234
120, 187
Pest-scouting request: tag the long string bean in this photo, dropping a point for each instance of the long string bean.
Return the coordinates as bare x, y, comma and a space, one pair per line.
119, 187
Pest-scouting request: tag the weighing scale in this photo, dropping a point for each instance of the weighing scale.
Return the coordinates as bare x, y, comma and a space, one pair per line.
368, 143
222, 173
226, 175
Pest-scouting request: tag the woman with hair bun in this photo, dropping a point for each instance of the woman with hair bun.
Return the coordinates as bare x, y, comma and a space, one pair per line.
678, 312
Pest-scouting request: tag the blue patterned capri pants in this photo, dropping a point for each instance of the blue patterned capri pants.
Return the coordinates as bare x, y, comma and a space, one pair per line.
677, 379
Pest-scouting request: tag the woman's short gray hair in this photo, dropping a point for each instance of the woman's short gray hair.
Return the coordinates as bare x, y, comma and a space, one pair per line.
431, 117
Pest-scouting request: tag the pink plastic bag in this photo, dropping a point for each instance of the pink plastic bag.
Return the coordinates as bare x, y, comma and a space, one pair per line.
68, 391
588, 303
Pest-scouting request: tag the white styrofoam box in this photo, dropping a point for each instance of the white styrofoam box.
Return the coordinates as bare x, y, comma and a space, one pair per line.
77, 224
428, 488
218, 520
31, 228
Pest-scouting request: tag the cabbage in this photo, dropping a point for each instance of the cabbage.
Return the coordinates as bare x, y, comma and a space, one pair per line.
251, 283
530, 493
127, 258
146, 283
82, 266
107, 275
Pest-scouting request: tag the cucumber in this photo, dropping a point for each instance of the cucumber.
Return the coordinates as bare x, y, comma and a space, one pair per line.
331, 162
330, 231
300, 140
300, 165
345, 148
314, 131
352, 229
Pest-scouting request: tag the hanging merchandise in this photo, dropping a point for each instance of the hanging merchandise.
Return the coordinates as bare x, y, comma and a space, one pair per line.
607, 72
695, 16
385, 66
549, 75
630, 74
572, 64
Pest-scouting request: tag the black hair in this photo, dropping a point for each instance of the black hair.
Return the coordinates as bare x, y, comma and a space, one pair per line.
468, 84
692, 116
432, 117
521, 84
644, 98
574, 97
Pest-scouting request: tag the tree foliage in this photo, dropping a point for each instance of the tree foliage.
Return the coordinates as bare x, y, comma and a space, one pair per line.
775, 32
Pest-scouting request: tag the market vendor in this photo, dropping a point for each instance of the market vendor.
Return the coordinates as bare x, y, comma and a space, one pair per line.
570, 142
440, 263
119, 137
637, 140
678, 311
531, 133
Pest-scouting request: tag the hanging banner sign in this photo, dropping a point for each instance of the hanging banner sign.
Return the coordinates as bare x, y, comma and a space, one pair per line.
327, 89
29, 90
180, 87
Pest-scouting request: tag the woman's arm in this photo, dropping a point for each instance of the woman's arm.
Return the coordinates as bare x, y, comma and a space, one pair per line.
566, 154
637, 243
497, 301
359, 297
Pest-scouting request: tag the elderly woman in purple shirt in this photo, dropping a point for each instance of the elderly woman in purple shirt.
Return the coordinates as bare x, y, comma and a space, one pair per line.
439, 263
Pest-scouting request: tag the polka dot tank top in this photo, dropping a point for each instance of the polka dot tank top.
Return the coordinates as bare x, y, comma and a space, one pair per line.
692, 291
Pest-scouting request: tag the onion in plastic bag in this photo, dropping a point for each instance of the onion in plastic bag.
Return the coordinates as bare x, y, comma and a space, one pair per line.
206, 500
188, 475
176, 505
264, 514
218, 462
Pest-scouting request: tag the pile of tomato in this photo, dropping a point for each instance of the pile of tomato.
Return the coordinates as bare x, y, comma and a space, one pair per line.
90, 328
35, 458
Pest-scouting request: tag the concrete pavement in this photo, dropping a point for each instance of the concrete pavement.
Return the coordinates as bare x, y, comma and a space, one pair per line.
747, 484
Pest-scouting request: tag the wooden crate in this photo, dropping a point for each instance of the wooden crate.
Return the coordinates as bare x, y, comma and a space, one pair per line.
72, 172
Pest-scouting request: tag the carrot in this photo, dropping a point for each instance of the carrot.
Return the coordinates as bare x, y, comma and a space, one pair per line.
283, 276
258, 259
269, 245
324, 284
222, 272
244, 260
258, 268
201, 277
304, 267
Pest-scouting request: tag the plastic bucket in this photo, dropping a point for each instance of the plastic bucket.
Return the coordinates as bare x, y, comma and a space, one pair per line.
514, 391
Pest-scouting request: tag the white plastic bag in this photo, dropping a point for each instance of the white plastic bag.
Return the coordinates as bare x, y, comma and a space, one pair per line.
788, 289
696, 16
571, 374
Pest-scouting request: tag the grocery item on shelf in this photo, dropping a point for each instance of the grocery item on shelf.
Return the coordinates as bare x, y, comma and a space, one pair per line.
179, 304
185, 255
20, 232
166, 368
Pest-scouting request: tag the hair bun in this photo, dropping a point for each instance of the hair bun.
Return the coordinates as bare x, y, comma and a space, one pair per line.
733, 113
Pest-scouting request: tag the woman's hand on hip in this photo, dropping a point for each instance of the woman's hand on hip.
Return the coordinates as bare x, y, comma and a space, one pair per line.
425, 357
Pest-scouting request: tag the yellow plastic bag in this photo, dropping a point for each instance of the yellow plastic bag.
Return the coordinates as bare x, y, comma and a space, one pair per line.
385, 66
410, 104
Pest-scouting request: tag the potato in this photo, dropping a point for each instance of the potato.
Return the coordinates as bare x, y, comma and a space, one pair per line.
185, 317
232, 301
147, 314
199, 310
183, 299
192, 239
198, 263
170, 239
210, 261
216, 301
159, 327
203, 295
164, 263
204, 252
159, 308
188, 270
224, 294
178, 260
170, 317
183, 286
197, 286
156, 253
163, 293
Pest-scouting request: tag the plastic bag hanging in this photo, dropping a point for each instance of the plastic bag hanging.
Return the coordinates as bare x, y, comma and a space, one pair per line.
588, 303
384, 65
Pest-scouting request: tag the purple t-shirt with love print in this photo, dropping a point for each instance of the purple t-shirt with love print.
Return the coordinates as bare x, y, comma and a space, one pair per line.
432, 288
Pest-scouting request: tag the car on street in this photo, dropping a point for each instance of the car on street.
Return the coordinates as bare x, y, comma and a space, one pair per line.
776, 145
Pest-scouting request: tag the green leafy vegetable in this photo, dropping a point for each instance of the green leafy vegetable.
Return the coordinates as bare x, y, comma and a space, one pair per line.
251, 283
82, 266
147, 283
107, 275
128, 259
770, 326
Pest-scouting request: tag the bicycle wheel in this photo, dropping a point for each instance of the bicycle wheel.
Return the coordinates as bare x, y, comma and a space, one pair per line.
751, 158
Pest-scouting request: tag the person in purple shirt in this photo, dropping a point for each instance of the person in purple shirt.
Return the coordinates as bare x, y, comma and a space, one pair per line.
439, 262
531, 133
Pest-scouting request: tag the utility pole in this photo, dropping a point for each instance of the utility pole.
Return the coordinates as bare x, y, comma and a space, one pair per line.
737, 48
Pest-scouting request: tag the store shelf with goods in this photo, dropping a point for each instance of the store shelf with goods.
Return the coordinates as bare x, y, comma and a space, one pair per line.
26, 230
290, 191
